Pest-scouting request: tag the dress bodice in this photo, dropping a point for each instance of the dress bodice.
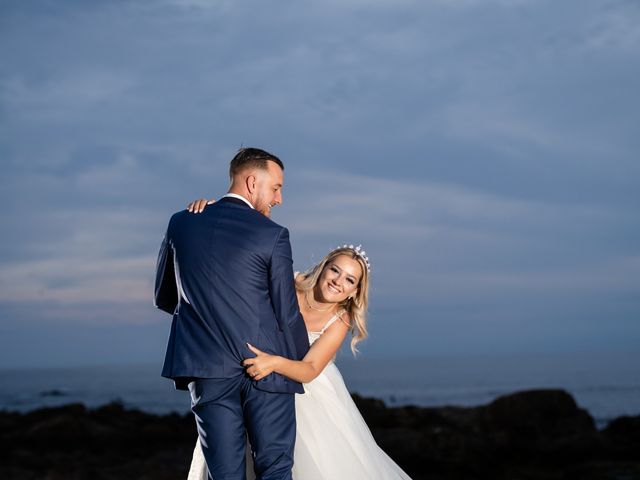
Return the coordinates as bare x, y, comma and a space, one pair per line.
313, 336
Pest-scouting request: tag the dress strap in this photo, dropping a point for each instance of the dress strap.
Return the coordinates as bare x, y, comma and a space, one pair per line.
332, 320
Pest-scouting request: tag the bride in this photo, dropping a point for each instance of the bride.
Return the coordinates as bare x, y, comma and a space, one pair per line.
333, 441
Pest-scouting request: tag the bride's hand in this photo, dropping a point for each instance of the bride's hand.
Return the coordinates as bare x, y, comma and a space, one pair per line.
261, 365
197, 206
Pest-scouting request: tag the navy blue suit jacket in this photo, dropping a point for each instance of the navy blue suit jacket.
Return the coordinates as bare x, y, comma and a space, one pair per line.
226, 276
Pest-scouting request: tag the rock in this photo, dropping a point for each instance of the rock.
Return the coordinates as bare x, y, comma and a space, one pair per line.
538, 415
622, 436
545, 425
530, 435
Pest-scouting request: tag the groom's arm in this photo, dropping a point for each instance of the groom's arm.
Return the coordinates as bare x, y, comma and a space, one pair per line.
283, 295
166, 290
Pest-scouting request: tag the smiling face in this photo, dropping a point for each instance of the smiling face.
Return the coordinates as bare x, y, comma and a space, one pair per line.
268, 188
339, 279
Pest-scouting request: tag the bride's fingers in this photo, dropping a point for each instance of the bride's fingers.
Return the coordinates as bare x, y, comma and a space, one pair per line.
197, 206
201, 204
254, 349
247, 362
251, 367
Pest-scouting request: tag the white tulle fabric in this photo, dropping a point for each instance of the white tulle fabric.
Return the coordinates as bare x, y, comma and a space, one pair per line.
332, 440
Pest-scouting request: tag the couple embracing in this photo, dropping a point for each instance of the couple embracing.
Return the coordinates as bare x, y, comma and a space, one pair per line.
247, 336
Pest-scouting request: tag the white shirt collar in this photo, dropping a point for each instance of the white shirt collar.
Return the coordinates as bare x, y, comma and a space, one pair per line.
239, 197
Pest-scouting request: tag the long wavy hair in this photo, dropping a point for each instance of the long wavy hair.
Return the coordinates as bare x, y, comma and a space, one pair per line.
356, 306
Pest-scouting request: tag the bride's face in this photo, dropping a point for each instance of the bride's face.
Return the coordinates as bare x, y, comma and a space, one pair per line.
339, 279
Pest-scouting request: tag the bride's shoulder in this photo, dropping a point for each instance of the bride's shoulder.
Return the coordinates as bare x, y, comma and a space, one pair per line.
299, 277
344, 317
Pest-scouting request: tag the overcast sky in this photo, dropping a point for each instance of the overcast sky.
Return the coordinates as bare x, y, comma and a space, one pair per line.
484, 152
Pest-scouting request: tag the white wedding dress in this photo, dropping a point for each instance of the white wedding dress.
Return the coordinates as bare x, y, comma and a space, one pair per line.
333, 441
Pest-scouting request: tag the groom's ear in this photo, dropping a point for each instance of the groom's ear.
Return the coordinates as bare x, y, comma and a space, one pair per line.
251, 182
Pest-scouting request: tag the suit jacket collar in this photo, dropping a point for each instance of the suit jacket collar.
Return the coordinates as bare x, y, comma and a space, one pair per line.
237, 199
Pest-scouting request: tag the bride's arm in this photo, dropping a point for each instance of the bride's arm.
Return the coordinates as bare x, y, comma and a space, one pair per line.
305, 370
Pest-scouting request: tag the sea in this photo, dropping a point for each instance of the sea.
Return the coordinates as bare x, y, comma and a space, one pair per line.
605, 384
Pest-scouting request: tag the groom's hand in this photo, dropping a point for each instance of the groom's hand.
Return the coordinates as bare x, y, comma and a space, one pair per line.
261, 365
197, 206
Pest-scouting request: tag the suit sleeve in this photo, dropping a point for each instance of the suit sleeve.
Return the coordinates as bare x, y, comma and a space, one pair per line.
166, 290
283, 296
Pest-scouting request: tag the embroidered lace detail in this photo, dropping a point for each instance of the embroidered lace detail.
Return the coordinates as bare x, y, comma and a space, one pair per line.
313, 336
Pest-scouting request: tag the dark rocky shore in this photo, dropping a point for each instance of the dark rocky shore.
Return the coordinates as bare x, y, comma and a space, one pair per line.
538, 434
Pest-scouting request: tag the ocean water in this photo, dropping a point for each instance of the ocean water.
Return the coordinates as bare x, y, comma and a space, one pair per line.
606, 384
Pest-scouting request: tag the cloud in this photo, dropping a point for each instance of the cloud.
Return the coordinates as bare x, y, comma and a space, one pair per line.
436, 244
617, 28
95, 258
449, 237
483, 152
70, 97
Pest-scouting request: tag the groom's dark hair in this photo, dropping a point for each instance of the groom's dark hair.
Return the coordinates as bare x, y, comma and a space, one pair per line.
252, 158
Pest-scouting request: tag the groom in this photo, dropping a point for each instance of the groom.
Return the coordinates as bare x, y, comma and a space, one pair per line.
226, 277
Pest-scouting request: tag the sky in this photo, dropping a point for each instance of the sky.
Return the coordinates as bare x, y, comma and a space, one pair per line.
484, 153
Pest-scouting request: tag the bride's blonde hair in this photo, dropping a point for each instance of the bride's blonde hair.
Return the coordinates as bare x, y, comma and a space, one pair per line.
356, 306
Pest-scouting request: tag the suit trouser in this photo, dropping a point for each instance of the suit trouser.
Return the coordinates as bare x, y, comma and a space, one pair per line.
226, 410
